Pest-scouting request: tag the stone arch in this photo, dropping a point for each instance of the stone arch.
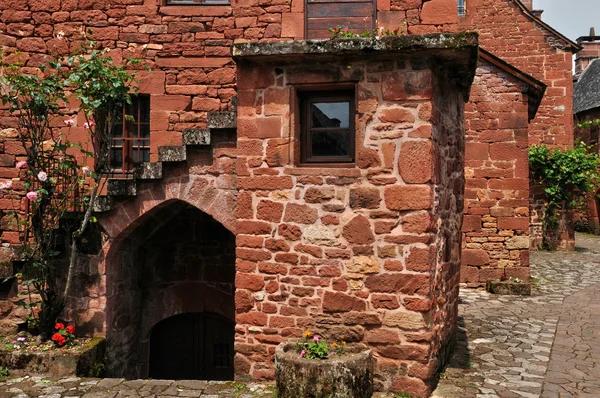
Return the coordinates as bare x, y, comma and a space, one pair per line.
197, 191
172, 259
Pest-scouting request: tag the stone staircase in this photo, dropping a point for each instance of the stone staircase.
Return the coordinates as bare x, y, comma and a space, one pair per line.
123, 187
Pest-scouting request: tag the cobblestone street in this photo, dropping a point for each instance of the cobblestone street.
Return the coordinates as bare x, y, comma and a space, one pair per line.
546, 345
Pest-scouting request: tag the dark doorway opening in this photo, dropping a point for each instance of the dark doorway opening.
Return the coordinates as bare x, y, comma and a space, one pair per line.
192, 346
171, 298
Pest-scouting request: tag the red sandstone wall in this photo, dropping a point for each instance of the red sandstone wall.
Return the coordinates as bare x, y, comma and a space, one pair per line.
496, 221
509, 34
349, 253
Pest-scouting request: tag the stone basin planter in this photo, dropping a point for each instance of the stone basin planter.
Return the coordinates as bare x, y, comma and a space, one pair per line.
508, 287
83, 361
347, 376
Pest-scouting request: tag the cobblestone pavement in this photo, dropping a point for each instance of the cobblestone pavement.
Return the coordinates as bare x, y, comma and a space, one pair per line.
546, 345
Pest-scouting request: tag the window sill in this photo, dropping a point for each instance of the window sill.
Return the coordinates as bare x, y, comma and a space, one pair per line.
325, 169
197, 10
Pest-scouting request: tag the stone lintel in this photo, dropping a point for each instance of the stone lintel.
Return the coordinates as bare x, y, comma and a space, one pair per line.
456, 53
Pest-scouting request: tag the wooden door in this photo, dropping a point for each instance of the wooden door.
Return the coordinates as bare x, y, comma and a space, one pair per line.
356, 15
192, 346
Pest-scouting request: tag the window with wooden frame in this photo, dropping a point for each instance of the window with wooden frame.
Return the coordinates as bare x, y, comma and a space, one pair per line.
461, 7
327, 127
131, 136
193, 2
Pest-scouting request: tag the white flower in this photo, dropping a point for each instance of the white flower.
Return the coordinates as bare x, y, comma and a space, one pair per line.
42, 176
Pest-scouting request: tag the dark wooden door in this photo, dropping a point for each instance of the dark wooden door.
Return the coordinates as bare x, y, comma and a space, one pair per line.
192, 346
356, 15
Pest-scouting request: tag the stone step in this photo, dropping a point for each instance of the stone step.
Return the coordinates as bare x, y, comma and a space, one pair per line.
172, 154
121, 187
102, 204
148, 171
196, 137
221, 120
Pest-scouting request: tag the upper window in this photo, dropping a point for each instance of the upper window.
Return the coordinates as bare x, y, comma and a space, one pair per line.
327, 134
131, 135
461, 7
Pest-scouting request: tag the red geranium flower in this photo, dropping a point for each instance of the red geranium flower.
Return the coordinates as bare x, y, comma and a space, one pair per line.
70, 329
56, 336
59, 326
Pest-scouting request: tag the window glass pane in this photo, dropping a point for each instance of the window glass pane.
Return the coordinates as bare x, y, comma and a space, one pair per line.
117, 131
330, 143
145, 155
144, 109
331, 114
116, 159
145, 131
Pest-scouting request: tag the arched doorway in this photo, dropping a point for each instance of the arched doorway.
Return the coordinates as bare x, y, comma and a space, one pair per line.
192, 346
174, 272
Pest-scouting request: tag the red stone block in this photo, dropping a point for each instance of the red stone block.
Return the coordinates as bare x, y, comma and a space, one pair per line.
408, 197
259, 127
340, 302
405, 85
252, 318
471, 223
301, 214
475, 257
516, 223
251, 282
253, 227
399, 283
385, 301
265, 183
358, 231
420, 260
270, 211
170, 103
415, 162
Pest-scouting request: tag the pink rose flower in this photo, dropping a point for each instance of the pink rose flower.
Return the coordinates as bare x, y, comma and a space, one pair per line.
70, 122
303, 353
90, 124
42, 176
21, 164
32, 195
316, 339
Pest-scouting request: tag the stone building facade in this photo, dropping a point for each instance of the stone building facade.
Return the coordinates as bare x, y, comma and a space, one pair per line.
496, 216
369, 250
512, 31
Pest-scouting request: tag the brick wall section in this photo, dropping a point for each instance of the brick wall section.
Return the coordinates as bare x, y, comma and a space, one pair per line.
496, 220
508, 33
350, 253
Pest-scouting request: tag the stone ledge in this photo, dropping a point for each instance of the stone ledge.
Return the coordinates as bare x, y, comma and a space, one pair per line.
60, 362
455, 52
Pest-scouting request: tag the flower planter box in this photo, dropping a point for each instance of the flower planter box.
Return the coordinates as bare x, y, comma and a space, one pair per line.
513, 288
347, 376
76, 361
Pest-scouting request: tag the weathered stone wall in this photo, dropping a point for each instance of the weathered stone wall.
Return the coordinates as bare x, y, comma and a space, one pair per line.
357, 253
496, 221
520, 39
